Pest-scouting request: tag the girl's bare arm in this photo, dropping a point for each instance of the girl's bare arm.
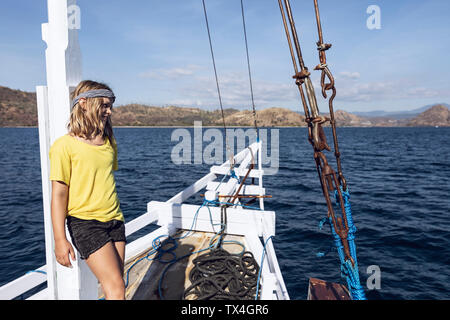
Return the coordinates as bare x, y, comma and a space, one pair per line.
63, 248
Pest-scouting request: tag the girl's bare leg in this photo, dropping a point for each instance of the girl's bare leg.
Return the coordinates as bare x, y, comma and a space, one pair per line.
120, 248
107, 265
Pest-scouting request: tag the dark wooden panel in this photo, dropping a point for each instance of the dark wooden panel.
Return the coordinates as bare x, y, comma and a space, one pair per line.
322, 290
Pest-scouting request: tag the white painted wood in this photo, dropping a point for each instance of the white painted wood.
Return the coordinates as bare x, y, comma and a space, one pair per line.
275, 269
183, 215
73, 52
22, 284
228, 188
251, 223
53, 113
250, 157
270, 264
246, 189
255, 173
140, 222
63, 71
269, 230
55, 34
200, 184
206, 226
238, 157
256, 247
44, 145
63, 60
268, 286
260, 180
144, 243
78, 282
192, 189
41, 295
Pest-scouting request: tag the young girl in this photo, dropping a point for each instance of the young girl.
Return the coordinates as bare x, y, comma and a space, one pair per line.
84, 189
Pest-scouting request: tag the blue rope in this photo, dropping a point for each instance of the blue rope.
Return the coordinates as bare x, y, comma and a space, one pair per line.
322, 254
233, 175
351, 273
348, 271
261, 266
37, 271
223, 178
157, 248
159, 251
232, 204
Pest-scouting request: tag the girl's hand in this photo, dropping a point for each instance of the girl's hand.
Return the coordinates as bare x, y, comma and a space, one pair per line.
63, 249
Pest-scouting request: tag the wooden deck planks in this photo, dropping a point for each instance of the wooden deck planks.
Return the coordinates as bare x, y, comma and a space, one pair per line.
144, 277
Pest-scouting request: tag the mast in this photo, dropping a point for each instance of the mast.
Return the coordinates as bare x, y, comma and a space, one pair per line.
63, 66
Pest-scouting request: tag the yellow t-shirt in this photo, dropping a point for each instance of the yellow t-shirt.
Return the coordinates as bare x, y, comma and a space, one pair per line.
88, 171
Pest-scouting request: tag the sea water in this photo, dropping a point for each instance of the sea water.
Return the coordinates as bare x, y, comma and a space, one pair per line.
399, 181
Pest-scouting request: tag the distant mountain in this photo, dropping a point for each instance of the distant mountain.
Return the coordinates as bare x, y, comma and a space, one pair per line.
143, 115
18, 108
398, 114
270, 117
438, 115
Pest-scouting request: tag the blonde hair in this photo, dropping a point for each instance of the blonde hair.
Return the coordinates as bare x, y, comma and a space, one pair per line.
88, 124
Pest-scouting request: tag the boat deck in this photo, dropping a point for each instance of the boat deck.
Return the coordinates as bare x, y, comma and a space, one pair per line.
144, 276
230, 274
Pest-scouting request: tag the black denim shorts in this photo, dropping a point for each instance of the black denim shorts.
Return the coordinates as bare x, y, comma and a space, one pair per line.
90, 235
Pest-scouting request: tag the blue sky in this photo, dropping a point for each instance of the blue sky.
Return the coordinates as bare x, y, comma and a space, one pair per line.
157, 52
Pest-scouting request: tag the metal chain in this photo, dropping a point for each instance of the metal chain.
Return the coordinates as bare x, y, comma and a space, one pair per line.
326, 73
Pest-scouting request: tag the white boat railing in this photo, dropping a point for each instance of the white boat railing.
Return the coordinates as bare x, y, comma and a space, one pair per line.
63, 73
174, 214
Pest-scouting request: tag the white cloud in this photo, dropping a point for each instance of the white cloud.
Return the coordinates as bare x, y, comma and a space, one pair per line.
422, 92
350, 75
379, 91
170, 73
196, 87
235, 92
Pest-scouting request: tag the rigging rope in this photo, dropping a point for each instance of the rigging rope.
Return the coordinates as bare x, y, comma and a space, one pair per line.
249, 72
248, 67
230, 153
341, 226
214, 65
217, 274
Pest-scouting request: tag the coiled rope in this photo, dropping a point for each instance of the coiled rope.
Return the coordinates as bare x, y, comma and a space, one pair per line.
220, 275
238, 284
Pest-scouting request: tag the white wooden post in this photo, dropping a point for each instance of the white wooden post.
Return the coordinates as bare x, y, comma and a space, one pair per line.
260, 180
63, 61
44, 142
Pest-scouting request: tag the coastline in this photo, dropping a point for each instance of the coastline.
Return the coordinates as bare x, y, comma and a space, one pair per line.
248, 127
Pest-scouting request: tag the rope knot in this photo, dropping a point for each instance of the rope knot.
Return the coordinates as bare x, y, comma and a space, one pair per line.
301, 76
323, 46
